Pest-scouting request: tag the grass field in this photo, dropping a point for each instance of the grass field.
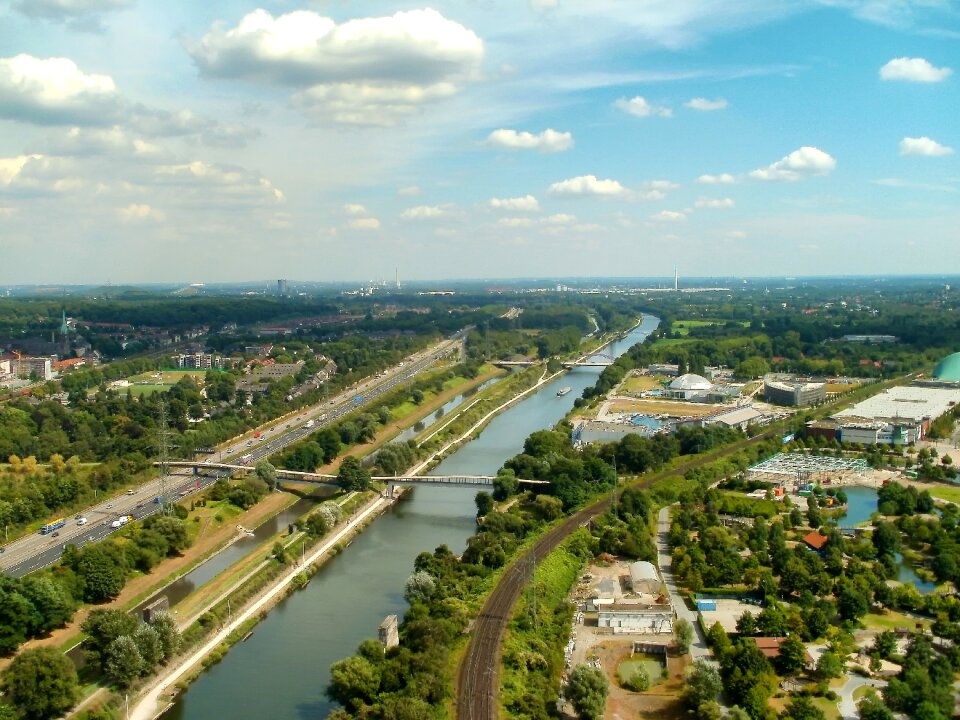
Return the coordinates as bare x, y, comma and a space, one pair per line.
890, 620
643, 383
654, 667
663, 407
950, 494
682, 327
168, 377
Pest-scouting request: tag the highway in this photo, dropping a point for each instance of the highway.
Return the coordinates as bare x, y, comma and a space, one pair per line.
37, 551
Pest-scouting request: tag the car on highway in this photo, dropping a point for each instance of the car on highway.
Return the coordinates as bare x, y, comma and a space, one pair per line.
56, 534
81, 520
131, 491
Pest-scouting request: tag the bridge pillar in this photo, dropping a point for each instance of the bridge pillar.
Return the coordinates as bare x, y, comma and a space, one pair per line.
196, 470
390, 490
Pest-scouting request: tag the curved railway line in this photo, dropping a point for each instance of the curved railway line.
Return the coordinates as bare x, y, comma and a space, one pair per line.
478, 677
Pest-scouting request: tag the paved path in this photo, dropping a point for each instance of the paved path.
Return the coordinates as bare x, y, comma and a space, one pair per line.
698, 648
146, 708
848, 707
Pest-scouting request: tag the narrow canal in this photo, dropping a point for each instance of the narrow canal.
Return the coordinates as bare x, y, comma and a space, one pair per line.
281, 671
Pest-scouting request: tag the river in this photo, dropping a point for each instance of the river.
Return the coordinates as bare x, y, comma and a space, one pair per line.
281, 671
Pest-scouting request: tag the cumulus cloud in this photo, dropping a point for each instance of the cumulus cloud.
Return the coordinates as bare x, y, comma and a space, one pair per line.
801, 163
669, 216
923, 146
408, 191
527, 203
198, 178
114, 142
37, 174
138, 212
543, 5
588, 185
364, 224
559, 219
914, 70
78, 14
423, 212
661, 185
54, 91
714, 203
154, 122
705, 105
639, 107
548, 141
370, 71
354, 209
515, 222
721, 179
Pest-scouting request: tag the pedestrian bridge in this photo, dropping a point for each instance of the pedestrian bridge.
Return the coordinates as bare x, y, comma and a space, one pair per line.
327, 479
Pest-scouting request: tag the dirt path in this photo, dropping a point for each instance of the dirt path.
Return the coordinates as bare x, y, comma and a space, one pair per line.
391, 430
146, 708
169, 569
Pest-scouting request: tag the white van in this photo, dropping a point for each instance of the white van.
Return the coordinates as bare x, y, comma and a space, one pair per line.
81, 521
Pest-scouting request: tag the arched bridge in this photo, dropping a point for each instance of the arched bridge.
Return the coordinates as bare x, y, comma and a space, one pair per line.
327, 479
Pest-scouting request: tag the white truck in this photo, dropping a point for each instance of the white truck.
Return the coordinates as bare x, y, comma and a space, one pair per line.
121, 521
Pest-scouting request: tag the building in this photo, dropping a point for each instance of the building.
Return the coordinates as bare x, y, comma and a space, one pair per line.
897, 416
644, 578
770, 647
388, 632
948, 369
604, 593
815, 541
199, 361
664, 369
278, 370
40, 367
636, 618
794, 393
738, 417
869, 339
282, 290
689, 387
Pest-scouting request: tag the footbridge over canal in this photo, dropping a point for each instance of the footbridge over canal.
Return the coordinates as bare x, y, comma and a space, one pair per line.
597, 359
200, 468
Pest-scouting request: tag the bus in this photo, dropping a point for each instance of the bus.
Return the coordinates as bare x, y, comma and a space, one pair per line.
50, 527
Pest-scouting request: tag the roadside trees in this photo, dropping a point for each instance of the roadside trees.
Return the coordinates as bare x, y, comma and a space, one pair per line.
352, 475
587, 691
683, 635
41, 683
702, 686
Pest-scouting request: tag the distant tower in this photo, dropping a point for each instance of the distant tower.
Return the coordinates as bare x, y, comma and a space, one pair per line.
396, 275
64, 337
676, 278
282, 288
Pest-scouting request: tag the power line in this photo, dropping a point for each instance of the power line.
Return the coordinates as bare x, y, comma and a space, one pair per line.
164, 451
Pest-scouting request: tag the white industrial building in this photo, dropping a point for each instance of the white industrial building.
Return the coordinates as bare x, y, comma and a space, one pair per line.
897, 416
631, 618
644, 578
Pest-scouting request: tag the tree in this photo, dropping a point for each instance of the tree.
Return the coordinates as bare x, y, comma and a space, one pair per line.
587, 691
871, 707
124, 661
792, 656
41, 683
505, 484
266, 472
352, 475
639, 681
419, 587
353, 682
801, 707
331, 513
830, 665
167, 633
884, 645
703, 685
148, 643
484, 503
103, 571
102, 628
683, 635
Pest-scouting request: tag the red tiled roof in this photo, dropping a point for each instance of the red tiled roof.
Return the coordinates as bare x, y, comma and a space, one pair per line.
815, 540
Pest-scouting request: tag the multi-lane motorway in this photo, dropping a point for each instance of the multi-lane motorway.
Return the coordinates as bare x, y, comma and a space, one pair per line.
37, 551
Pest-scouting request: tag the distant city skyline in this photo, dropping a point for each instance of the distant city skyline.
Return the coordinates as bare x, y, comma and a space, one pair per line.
145, 141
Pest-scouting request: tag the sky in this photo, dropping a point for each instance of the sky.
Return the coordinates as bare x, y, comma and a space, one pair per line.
341, 140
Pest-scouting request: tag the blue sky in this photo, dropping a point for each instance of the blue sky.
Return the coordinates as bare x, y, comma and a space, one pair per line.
148, 140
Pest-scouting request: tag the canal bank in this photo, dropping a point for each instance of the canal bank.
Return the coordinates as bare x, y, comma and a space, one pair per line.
282, 670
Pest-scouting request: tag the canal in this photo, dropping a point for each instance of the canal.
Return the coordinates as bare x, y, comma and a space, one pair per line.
281, 671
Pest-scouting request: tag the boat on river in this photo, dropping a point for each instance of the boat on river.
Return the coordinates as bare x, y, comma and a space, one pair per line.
563, 391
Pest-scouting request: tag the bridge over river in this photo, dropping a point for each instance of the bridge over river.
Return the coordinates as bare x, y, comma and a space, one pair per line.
327, 479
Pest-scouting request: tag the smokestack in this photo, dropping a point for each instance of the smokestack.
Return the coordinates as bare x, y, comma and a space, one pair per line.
676, 278
396, 273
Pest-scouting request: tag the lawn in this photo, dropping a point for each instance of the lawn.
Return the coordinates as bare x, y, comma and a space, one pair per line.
168, 377
890, 620
944, 492
652, 664
664, 407
642, 383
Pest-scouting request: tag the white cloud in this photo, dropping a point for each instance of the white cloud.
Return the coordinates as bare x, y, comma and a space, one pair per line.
588, 185
370, 71
721, 179
914, 70
543, 5
548, 141
11, 167
39, 175
113, 142
423, 212
229, 182
527, 203
801, 163
661, 185
354, 209
705, 105
714, 203
364, 224
408, 191
559, 219
649, 195
901, 183
669, 216
923, 146
140, 212
735, 234
54, 91
639, 107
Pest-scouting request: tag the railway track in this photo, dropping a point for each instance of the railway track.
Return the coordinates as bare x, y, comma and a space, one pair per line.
478, 677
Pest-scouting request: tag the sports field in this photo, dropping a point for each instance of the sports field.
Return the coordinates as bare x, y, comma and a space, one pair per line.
663, 407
